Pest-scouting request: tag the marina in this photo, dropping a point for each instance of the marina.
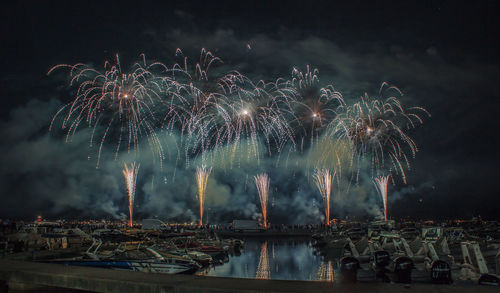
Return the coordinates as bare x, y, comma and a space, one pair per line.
449, 254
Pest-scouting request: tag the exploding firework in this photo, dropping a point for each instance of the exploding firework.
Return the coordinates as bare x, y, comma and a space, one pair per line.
123, 103
313, 106
130, 174
262, 183
263, 271
381, 185
323, 179
212, 109
376, 129
202, 174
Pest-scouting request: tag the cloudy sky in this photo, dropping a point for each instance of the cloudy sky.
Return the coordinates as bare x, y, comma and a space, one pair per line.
442, 55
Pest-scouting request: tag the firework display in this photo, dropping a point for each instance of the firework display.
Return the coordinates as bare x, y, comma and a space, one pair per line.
202, 174
130, 174
214, 113
262, 183
323, 179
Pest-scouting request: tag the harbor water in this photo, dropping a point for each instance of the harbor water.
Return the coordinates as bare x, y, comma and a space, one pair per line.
278, 258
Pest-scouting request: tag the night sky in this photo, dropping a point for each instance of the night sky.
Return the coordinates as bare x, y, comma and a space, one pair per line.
443, 55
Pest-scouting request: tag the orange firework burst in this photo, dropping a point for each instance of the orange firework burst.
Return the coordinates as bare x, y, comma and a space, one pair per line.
262, 182
323, 179
202, 174
130, 175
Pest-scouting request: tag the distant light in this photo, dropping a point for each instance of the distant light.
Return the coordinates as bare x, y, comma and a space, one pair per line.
244, 112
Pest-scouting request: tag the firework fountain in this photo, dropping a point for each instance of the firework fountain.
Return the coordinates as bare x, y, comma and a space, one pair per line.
202, 174
381, 185
262, 183
130, 174
323, 179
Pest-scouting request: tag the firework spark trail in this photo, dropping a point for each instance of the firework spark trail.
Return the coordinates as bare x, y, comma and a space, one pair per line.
263, 271
202, 174
381, 186
323, 179
130, 174
376, 130
262, 183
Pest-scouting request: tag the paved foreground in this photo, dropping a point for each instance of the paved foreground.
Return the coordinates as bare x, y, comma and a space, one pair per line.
30, 276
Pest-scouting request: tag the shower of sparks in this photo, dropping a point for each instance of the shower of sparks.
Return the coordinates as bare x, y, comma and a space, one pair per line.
323, 179
381, 185
202, 174
262, 183
130, 174
263, 271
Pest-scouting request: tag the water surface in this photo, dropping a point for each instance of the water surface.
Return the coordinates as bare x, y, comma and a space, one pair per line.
283, 259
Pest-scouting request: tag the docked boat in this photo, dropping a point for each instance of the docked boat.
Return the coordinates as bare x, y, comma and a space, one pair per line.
142, 260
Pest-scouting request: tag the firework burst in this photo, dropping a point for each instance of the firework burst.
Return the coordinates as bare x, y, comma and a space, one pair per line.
313, 106
381, 184
262, 183
324, 179
121, 102
376, 130
212, 109
202, 174
130, 174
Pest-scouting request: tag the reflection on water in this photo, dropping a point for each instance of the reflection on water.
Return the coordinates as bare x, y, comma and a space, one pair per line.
263, 268
326, 271
284, 259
